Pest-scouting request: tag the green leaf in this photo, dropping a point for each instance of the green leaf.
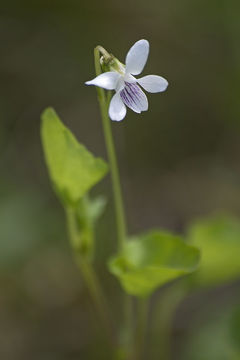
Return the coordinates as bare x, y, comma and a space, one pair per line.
219, 241
72, 168
151, 261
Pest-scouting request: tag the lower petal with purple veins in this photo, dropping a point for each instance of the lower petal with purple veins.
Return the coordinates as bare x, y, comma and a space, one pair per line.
134, 97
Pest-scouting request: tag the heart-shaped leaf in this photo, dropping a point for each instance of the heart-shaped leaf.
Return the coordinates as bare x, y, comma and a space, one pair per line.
218, 238
152, 260
72, 168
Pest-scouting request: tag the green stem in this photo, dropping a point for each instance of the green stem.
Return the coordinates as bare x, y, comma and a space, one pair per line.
117, 192
163, 321
89, 275
96, 293
141, 326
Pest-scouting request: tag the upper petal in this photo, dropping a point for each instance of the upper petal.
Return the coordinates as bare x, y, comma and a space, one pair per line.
134, 97
153, 83
137, 57
117, 109
107, 80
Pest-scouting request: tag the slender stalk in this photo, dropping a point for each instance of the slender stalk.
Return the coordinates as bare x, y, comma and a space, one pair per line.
89, 275
96, 293
163, 321
141, 326
117, 192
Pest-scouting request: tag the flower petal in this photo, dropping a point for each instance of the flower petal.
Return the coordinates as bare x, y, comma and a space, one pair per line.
129, 78
134, 97
153, 83
117, 109
107, 80
137, 57
120, 84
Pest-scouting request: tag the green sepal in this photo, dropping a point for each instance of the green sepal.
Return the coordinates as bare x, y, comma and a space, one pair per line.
72, 168
152, 260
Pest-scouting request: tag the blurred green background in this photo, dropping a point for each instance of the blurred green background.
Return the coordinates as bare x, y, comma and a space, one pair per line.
179, 161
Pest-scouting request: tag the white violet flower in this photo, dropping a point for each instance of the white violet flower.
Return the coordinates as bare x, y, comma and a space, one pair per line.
128, 92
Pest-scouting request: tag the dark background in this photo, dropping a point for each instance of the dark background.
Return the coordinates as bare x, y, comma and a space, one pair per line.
178, 161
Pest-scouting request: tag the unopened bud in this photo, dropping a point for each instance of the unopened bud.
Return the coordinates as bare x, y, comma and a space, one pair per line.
109, 62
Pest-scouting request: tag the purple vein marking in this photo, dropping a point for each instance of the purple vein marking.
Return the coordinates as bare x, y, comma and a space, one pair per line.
131, 95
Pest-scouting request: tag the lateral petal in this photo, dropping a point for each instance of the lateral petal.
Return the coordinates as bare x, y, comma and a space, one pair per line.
153, 83
107, 80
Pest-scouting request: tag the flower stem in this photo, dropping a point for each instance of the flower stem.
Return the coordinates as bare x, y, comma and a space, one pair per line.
162, 323
89, 276
117, 192
141, 325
